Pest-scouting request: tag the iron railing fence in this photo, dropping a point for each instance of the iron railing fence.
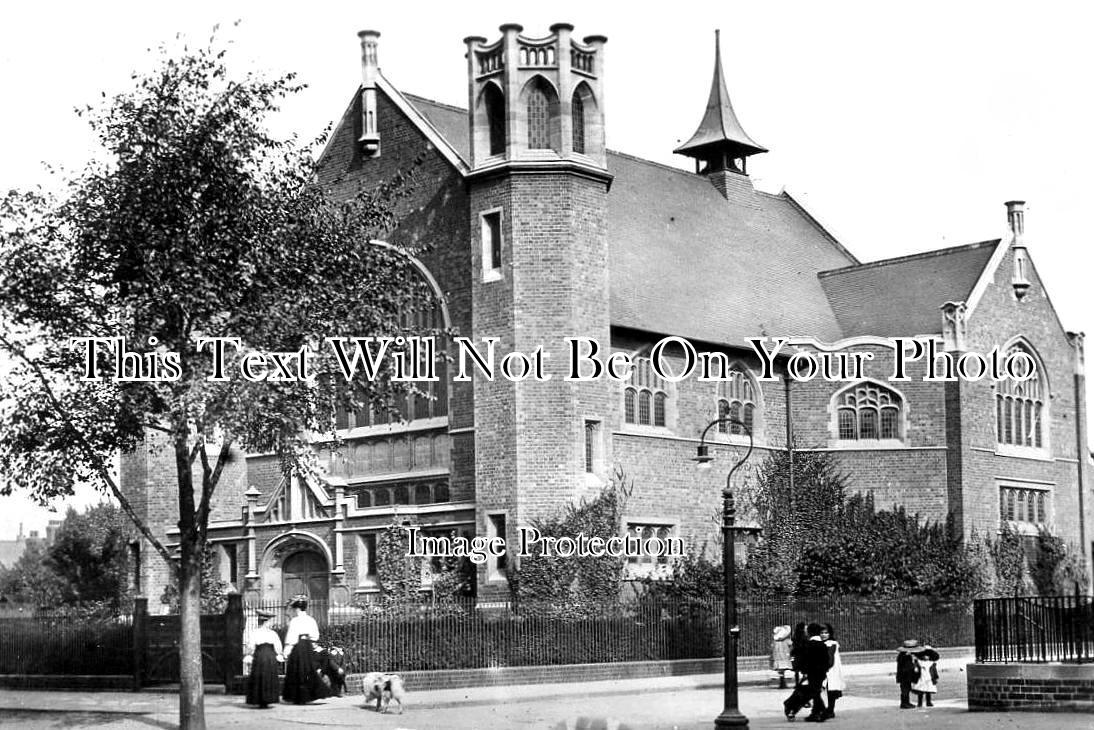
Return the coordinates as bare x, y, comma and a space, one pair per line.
1036, 629
463, 634
66, 643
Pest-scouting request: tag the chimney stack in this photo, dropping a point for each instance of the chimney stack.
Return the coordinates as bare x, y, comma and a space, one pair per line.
1016, 219
370, 70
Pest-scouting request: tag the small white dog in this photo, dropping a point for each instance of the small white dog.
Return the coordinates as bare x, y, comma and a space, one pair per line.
384, 688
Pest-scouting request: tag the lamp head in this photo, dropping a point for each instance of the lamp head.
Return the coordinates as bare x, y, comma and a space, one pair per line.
702, 457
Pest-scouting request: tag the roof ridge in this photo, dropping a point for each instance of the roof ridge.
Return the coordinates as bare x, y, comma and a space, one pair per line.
803, 211
655, 163
419, 97
452, 107
911, 257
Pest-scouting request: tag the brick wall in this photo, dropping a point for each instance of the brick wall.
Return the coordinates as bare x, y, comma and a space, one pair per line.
998, 319
433, 222
529, 437
149, 480
1037, 687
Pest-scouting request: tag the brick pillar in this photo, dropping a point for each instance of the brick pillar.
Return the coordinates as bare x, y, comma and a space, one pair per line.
140, 640
232, 657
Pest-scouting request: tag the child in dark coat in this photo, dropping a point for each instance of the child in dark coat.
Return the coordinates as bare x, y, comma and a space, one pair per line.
906, 671
813, 660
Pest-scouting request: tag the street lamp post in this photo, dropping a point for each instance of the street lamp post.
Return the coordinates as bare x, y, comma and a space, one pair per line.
731, 714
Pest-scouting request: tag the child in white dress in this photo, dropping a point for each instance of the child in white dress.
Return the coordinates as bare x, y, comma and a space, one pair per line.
927, 684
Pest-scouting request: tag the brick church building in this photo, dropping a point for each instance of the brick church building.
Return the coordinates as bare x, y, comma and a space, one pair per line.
531, 230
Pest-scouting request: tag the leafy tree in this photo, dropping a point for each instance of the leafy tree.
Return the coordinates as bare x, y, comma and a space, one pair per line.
29, 580
90, 555
214, 591
1012, 571
872, 552
196, 223
817, 540
792, 514
1057, 567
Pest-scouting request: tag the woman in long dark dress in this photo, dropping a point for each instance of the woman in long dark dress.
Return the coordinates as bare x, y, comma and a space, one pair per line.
265, 651
303, 682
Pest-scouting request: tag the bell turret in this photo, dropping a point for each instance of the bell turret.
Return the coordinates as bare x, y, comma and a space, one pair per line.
720, 144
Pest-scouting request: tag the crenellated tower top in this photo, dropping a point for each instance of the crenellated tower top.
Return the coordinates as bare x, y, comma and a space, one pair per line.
536, 100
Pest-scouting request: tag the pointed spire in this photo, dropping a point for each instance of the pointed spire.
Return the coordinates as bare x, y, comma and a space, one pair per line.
720, 139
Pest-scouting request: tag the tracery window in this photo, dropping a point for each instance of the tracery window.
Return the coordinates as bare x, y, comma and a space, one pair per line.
1019, 408
868, 411
645, 399
539, 118
649, 536
428, 399
737, 400
1018, 504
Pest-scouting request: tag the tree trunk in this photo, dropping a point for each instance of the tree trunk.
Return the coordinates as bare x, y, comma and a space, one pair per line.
191, 683
191, 691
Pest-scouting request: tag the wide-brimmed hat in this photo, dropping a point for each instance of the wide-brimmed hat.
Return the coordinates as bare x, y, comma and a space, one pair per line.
780, 632
909, 644
298, 601
263, 615
928, 653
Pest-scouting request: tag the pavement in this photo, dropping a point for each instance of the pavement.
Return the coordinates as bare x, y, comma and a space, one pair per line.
674, 703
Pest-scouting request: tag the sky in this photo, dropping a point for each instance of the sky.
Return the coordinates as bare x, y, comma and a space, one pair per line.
902, 127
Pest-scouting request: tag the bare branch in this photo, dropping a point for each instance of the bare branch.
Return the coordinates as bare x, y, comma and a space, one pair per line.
210, 479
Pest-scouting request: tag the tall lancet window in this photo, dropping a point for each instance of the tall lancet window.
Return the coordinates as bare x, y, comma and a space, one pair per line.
1019, 407
577, 114
495, 118
539, 119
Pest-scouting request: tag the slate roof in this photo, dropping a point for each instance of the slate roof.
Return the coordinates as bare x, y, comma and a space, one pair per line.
903, 295
686, 261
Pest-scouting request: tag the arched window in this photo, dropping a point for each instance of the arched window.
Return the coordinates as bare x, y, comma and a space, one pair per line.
868, 411
494, 102
539, 118
737, 399
429, 399
645, 399
1020, 406
577, 115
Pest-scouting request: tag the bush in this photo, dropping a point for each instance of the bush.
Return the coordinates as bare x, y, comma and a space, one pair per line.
578, 579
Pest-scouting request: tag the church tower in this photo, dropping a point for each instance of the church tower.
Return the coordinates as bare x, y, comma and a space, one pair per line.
720, 145
538, 190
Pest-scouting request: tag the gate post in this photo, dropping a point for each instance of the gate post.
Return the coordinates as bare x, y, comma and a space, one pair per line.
140, 640
232, 658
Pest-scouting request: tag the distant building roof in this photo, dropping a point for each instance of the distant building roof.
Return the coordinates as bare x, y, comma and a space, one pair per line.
902, 296
11, 551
